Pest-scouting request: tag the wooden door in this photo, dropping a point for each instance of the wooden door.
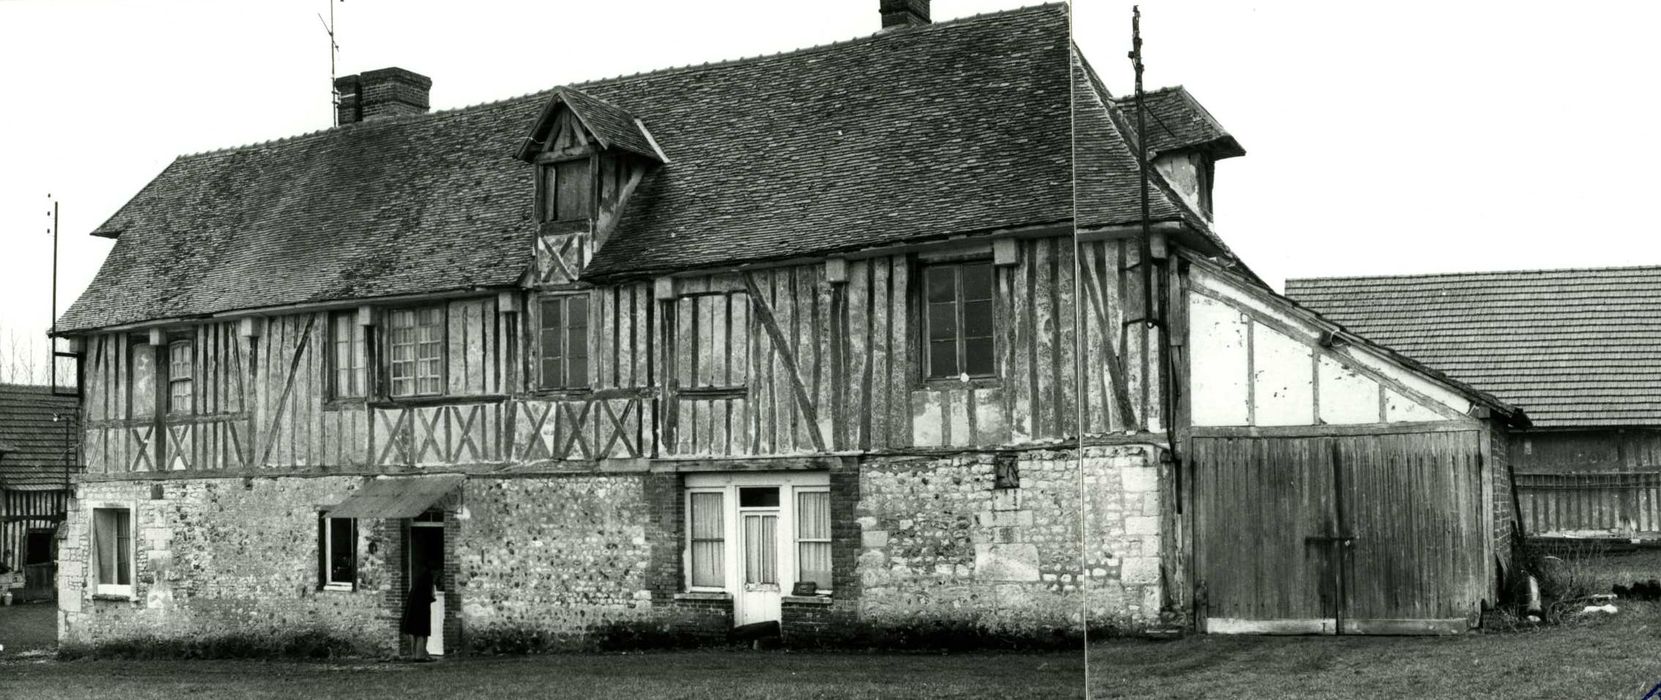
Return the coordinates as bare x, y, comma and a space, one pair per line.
1340, 533
1257, 504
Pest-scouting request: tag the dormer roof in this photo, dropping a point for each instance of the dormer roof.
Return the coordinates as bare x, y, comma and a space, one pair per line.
613, 126
1176, 121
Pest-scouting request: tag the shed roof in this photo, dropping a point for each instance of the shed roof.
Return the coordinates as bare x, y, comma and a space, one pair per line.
36, 432
922, 133
1574, 347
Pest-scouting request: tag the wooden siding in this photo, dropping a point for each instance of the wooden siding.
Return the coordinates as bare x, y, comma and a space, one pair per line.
1589, 482
787, 360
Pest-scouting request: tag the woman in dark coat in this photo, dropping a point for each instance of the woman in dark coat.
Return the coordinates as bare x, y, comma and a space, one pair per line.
418, 613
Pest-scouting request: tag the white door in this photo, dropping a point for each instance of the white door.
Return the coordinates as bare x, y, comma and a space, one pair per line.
758, 597
435, 643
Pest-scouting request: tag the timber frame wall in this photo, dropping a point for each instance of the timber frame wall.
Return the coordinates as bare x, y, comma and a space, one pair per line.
795, 360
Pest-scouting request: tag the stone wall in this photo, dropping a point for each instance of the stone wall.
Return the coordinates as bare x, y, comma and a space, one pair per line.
941, 541
217, 557
549, 559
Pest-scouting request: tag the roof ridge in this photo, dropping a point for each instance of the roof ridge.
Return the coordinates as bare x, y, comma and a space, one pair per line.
1477, 273
1131, 97
877, 36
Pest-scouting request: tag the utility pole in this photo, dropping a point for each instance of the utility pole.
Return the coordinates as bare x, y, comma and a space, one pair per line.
1145, 244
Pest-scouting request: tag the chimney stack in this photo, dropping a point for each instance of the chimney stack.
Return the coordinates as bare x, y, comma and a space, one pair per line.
898, 14
386, 92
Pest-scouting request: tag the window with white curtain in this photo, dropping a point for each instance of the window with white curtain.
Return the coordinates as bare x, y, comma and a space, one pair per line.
813, 538
708, 540
112, 548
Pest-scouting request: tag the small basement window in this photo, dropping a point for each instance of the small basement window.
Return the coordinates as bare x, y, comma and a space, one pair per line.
567, 190
112, 550
338, 552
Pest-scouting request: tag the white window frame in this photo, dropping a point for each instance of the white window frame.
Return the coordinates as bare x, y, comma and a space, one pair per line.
796, 533
726, 540
789, 484
113, 590
329, 584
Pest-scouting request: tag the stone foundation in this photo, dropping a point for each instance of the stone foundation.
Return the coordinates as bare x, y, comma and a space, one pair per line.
986, 540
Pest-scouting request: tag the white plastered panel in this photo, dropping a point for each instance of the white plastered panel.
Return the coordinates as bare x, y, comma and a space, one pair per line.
1217, 370
1283, 378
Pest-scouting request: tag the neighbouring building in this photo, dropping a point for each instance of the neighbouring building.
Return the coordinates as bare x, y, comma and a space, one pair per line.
39, 461
839, 338
1580, 349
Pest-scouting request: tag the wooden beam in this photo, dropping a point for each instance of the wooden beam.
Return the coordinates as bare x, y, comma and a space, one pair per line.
836, 270
1243, 431
1005, 252
663, 288
804, 402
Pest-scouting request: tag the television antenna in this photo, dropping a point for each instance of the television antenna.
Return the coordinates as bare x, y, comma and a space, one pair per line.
329, 27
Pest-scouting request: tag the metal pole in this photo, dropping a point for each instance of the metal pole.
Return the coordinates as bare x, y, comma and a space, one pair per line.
52, 329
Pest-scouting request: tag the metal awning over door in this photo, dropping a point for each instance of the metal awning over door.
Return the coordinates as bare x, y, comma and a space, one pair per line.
396, 496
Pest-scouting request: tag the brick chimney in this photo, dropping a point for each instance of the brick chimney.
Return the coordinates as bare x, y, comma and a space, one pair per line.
381, 93
898, 14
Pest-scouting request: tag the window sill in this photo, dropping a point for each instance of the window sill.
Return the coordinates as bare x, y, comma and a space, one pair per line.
713, 392
345, 402
820, 599
338, 587
436, 400
955, 383
123, 594
704, 595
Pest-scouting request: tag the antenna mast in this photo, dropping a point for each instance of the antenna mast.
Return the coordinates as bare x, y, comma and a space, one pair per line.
334, 52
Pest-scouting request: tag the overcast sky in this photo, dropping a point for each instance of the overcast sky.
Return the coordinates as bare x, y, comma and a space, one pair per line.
1384, 137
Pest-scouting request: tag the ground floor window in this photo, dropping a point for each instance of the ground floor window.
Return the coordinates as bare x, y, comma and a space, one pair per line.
758, 534
338, 548
112, 545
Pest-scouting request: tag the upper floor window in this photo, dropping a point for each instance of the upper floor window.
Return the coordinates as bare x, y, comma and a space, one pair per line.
562, 341
181, 367
567, 190
958, 320
416, 347
712, 340
346, 353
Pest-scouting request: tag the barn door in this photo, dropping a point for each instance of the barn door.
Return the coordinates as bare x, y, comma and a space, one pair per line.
1324, 534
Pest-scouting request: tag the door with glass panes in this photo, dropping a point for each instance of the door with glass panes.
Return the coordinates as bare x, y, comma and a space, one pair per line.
755, 536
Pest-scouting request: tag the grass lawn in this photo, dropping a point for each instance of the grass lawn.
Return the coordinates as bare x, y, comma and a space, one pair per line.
1599, 656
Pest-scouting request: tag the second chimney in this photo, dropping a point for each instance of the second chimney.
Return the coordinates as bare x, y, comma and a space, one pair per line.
898, 14
386, 92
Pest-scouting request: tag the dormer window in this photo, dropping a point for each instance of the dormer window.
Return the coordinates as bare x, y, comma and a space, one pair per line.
566, 190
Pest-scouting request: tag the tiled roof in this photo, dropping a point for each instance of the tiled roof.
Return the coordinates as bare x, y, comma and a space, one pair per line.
33, 437
913, 134
1175, 120
1575, 348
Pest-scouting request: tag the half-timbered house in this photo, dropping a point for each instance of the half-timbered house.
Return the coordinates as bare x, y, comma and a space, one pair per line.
38, 463
871, 333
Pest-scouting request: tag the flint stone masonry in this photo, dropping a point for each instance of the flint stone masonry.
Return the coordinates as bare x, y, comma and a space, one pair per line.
939, 542
557, 557
221, 556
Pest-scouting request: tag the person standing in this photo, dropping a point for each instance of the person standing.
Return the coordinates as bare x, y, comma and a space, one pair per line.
417, 623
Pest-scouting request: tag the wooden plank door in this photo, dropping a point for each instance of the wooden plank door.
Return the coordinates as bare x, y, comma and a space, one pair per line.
1257, 504
1413, 504
1354, 534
